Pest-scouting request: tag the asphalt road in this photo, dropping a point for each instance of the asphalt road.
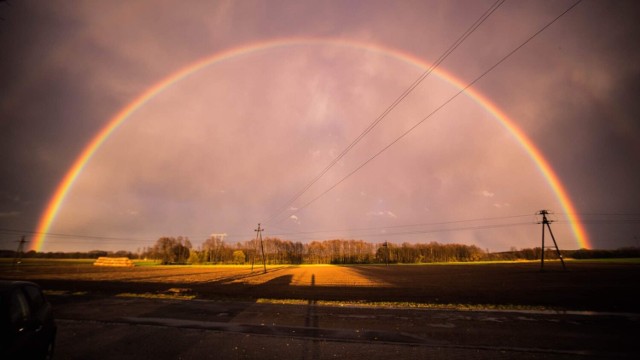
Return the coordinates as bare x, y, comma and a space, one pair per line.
138, 328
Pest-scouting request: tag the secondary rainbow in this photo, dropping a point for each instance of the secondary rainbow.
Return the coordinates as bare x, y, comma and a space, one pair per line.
54, 205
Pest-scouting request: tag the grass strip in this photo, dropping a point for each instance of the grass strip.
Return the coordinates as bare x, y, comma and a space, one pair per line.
156, 296
408, 305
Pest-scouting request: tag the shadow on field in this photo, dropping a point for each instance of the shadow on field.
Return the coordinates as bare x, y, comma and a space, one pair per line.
252, 274
586, 286
279, 282
172, 275
312, 348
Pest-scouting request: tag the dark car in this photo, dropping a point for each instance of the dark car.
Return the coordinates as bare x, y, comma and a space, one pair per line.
27, 327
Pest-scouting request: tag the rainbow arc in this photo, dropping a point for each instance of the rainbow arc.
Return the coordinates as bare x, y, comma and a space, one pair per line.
63, 188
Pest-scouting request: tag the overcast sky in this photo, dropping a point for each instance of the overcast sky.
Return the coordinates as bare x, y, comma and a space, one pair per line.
230, 145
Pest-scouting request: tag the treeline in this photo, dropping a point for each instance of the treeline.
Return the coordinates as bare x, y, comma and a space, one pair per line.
278, 251
180, 250
93, 254
535, 253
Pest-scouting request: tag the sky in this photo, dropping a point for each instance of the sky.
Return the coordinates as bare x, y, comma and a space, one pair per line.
284, 88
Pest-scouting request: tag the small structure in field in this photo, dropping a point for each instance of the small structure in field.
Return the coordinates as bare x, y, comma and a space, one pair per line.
110, 261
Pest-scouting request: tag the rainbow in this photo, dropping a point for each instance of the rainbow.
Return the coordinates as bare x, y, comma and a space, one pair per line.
85, 156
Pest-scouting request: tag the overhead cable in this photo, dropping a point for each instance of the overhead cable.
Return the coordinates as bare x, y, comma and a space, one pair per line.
395, 103
440, 107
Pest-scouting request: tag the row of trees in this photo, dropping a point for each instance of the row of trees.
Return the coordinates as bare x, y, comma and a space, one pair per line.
93, 254
277, 251
179, 250
169, 250
535, 253
431, 252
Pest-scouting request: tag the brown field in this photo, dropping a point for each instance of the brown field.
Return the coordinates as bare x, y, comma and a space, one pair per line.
595, 286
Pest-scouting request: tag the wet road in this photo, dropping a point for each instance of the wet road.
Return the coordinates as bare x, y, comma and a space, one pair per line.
135, 328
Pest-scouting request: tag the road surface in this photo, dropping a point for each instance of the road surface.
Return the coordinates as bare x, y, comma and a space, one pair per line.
136, 328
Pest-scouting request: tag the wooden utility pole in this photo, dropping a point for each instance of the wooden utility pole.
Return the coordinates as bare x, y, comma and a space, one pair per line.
18, 257
259, 236
546, 222
255, 251
386, 246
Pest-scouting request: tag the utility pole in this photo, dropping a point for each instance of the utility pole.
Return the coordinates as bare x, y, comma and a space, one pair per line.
546, 222
18, 258
386, 246
259, 236
255, 251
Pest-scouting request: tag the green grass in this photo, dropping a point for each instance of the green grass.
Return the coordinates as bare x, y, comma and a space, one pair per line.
146, 263
608, 260
404, 304
5, 262
157, 296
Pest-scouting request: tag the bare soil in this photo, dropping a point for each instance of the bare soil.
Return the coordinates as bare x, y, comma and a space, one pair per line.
591, 286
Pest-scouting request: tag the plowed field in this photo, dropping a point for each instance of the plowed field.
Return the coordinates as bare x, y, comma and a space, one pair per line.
585, 286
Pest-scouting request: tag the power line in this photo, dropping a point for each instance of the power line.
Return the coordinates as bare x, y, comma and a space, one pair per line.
30, 232
404, 226
603, 218
606, 214
76, 238
440, 107
73, 237
405, 229
393, 105
603, 222
387, 234
616, 216
438, 230
365, 231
